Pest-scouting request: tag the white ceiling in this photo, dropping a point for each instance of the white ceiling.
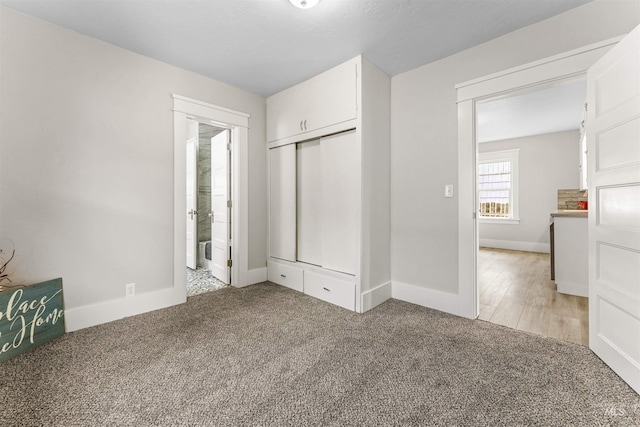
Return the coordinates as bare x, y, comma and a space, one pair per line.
551, 109
264, 46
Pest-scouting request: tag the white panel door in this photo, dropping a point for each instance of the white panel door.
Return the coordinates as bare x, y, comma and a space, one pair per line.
282, 202
613, 138
309, 202
220, 226
340, 201
192, 193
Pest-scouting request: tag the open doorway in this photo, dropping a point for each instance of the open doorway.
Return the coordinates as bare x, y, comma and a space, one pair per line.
237, 123
208, 237
528, 153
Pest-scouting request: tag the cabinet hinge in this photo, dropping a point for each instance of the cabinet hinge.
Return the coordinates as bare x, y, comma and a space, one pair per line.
229, 204
229, 263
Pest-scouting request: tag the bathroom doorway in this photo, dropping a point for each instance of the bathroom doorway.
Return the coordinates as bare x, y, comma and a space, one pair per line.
237, 123
208, 190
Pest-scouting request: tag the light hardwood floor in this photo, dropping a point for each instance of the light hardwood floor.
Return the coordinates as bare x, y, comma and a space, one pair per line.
516, 291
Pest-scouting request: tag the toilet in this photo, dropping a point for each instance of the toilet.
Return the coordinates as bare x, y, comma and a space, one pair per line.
203, 260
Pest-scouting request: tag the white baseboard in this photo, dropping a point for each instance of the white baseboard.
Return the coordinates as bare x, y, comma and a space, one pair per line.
108, 311
438, 300
515, 245
376, 296
257, 275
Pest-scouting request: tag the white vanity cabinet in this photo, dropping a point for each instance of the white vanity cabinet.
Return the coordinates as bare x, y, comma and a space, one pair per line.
329, 208
318, 103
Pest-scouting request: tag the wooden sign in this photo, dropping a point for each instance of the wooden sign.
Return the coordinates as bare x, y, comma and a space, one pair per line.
30, 316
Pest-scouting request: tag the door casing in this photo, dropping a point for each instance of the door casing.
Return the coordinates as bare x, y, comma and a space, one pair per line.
547, 71
186, 108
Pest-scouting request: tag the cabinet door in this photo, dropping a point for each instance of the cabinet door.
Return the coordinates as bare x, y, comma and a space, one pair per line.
341, 202
282, 202
309, 202
324, 100
286, 112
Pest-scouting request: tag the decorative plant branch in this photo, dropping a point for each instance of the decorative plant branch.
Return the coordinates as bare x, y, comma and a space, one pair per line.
5, 280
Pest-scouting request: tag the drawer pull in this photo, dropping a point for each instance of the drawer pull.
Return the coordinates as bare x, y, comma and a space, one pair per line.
327, 289
283, 276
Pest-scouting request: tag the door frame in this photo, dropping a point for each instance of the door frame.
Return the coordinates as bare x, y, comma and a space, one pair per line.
546, 71
238, 124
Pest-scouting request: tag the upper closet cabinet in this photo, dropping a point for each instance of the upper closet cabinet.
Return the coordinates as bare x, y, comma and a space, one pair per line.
315, 107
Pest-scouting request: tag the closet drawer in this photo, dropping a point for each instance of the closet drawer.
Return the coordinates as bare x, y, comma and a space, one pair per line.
330, 289
284, 275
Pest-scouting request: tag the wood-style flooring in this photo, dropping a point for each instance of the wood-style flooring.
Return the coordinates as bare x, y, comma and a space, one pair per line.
516, 291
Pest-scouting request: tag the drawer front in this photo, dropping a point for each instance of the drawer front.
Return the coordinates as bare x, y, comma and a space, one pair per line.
284, 275
335, 291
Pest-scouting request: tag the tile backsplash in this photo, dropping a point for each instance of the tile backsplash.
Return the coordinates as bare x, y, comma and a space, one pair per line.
569, 198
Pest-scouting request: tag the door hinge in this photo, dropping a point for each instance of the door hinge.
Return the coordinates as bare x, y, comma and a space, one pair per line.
229, 203
229, 263
228, 146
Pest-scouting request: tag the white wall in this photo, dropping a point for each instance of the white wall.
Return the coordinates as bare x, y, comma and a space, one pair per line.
86, 173
547, 163
424, 137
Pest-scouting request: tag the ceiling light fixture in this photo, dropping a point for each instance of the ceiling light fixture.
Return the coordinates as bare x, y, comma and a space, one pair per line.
304, 4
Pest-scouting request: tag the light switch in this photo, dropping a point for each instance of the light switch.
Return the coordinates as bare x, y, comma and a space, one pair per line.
448, 190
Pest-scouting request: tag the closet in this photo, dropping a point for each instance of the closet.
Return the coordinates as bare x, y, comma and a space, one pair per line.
328, 153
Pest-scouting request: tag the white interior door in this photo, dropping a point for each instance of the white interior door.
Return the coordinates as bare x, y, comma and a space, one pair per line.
613, 138
192, 193
220, 226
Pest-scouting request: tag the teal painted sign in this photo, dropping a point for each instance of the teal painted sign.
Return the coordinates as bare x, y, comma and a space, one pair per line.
30, 316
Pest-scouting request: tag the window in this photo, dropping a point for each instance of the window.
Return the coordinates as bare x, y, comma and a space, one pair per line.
498, 186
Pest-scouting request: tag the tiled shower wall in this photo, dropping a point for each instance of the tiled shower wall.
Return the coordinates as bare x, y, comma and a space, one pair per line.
204, 182
568, 199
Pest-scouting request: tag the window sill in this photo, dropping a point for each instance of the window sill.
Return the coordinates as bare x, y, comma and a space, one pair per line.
510, 221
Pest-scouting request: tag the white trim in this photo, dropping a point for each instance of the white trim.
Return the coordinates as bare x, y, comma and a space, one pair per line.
257, 275
548, 69
555, 68
505, 221
438, 300
376, 296
108, 311
238, 122
516, 245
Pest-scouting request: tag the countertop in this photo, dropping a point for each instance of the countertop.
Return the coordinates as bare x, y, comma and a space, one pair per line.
574, 213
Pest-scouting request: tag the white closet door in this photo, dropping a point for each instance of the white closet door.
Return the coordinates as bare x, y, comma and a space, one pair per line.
340, 202
309, 202
282, 202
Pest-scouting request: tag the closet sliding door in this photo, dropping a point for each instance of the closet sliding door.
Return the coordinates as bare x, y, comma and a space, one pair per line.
340, 202
282, 202
328, 202
309, 202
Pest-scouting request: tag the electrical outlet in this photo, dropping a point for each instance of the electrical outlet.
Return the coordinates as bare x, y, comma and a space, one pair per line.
130, 290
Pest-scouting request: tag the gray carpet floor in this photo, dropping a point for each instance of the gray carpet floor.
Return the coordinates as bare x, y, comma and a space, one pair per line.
265, 355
